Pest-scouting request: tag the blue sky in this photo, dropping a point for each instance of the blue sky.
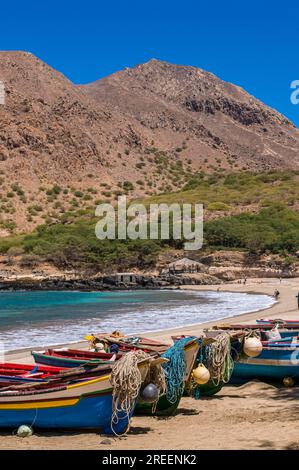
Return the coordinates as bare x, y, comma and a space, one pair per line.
253, 44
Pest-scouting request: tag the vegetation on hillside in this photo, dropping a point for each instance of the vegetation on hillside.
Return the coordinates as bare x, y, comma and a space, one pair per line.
267, 221
227, 192
274, 229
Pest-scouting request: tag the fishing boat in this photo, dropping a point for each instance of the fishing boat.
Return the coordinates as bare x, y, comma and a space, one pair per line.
279, 321
188, 349
72, 357
11, 373
265, 325
128, 343
278, 360
285, 330
84, 403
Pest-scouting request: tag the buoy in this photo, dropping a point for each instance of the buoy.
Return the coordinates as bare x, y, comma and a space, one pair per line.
150, 393
114, 348
24, 431
252, 347
201, 374
89, 337
288, 382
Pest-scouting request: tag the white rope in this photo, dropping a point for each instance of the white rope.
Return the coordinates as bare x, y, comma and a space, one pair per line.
126, 380
219, 360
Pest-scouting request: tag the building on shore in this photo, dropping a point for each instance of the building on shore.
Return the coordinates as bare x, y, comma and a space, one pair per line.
184, 265
124, 278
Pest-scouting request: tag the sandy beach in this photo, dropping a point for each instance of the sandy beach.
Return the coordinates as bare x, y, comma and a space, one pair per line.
252, 416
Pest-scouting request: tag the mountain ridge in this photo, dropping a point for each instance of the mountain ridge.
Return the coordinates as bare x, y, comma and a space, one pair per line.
140, 131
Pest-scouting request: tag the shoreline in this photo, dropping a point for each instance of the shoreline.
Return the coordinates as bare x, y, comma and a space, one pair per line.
25, 352
257, 287
256, 415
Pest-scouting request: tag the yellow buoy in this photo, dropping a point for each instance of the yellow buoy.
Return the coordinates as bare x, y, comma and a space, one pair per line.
252, 347
288, 382
201, 374
89, 337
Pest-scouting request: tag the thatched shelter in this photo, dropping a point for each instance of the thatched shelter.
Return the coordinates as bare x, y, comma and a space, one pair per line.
185, 265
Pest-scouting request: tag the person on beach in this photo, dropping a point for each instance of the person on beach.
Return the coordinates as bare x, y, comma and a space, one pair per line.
276, 294
297, 300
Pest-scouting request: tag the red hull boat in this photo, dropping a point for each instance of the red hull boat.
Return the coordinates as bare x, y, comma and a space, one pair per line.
12, 374
73, 357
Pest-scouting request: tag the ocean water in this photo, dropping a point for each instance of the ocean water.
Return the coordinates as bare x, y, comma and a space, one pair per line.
36, 319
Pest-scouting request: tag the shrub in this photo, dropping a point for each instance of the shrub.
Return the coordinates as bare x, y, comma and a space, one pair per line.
218, 206
128, 186
275, 229
29, 261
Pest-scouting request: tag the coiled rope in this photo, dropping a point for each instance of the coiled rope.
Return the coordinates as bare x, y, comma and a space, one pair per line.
175, 369
127, 379
219, 360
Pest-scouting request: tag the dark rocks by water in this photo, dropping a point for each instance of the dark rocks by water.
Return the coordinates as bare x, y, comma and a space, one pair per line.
106, 283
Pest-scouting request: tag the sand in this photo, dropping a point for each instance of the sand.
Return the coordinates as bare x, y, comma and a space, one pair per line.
254, 416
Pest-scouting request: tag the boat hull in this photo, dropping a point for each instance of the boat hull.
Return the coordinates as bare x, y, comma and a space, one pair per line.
6, 380
264, 321
60, 361
164, 406
288, 333
275, 362
209, 389
56, 361
88, 413
86, 405
12, 374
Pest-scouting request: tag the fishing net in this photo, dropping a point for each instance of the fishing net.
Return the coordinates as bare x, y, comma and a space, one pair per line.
219, 360
175, 369
216, 356
126, 379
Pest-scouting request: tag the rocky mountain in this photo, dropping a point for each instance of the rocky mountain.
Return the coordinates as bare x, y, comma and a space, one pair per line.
49, 128
140, 131
221, 121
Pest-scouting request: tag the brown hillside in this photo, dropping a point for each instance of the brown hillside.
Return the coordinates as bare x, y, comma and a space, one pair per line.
221, 120
152, 125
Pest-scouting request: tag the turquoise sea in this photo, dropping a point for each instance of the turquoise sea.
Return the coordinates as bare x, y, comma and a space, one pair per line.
39, 318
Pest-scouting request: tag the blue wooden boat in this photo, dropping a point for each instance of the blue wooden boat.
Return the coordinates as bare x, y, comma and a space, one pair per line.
285, 330
72, 357
273, 322
277, 360
287, 333
83, 404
